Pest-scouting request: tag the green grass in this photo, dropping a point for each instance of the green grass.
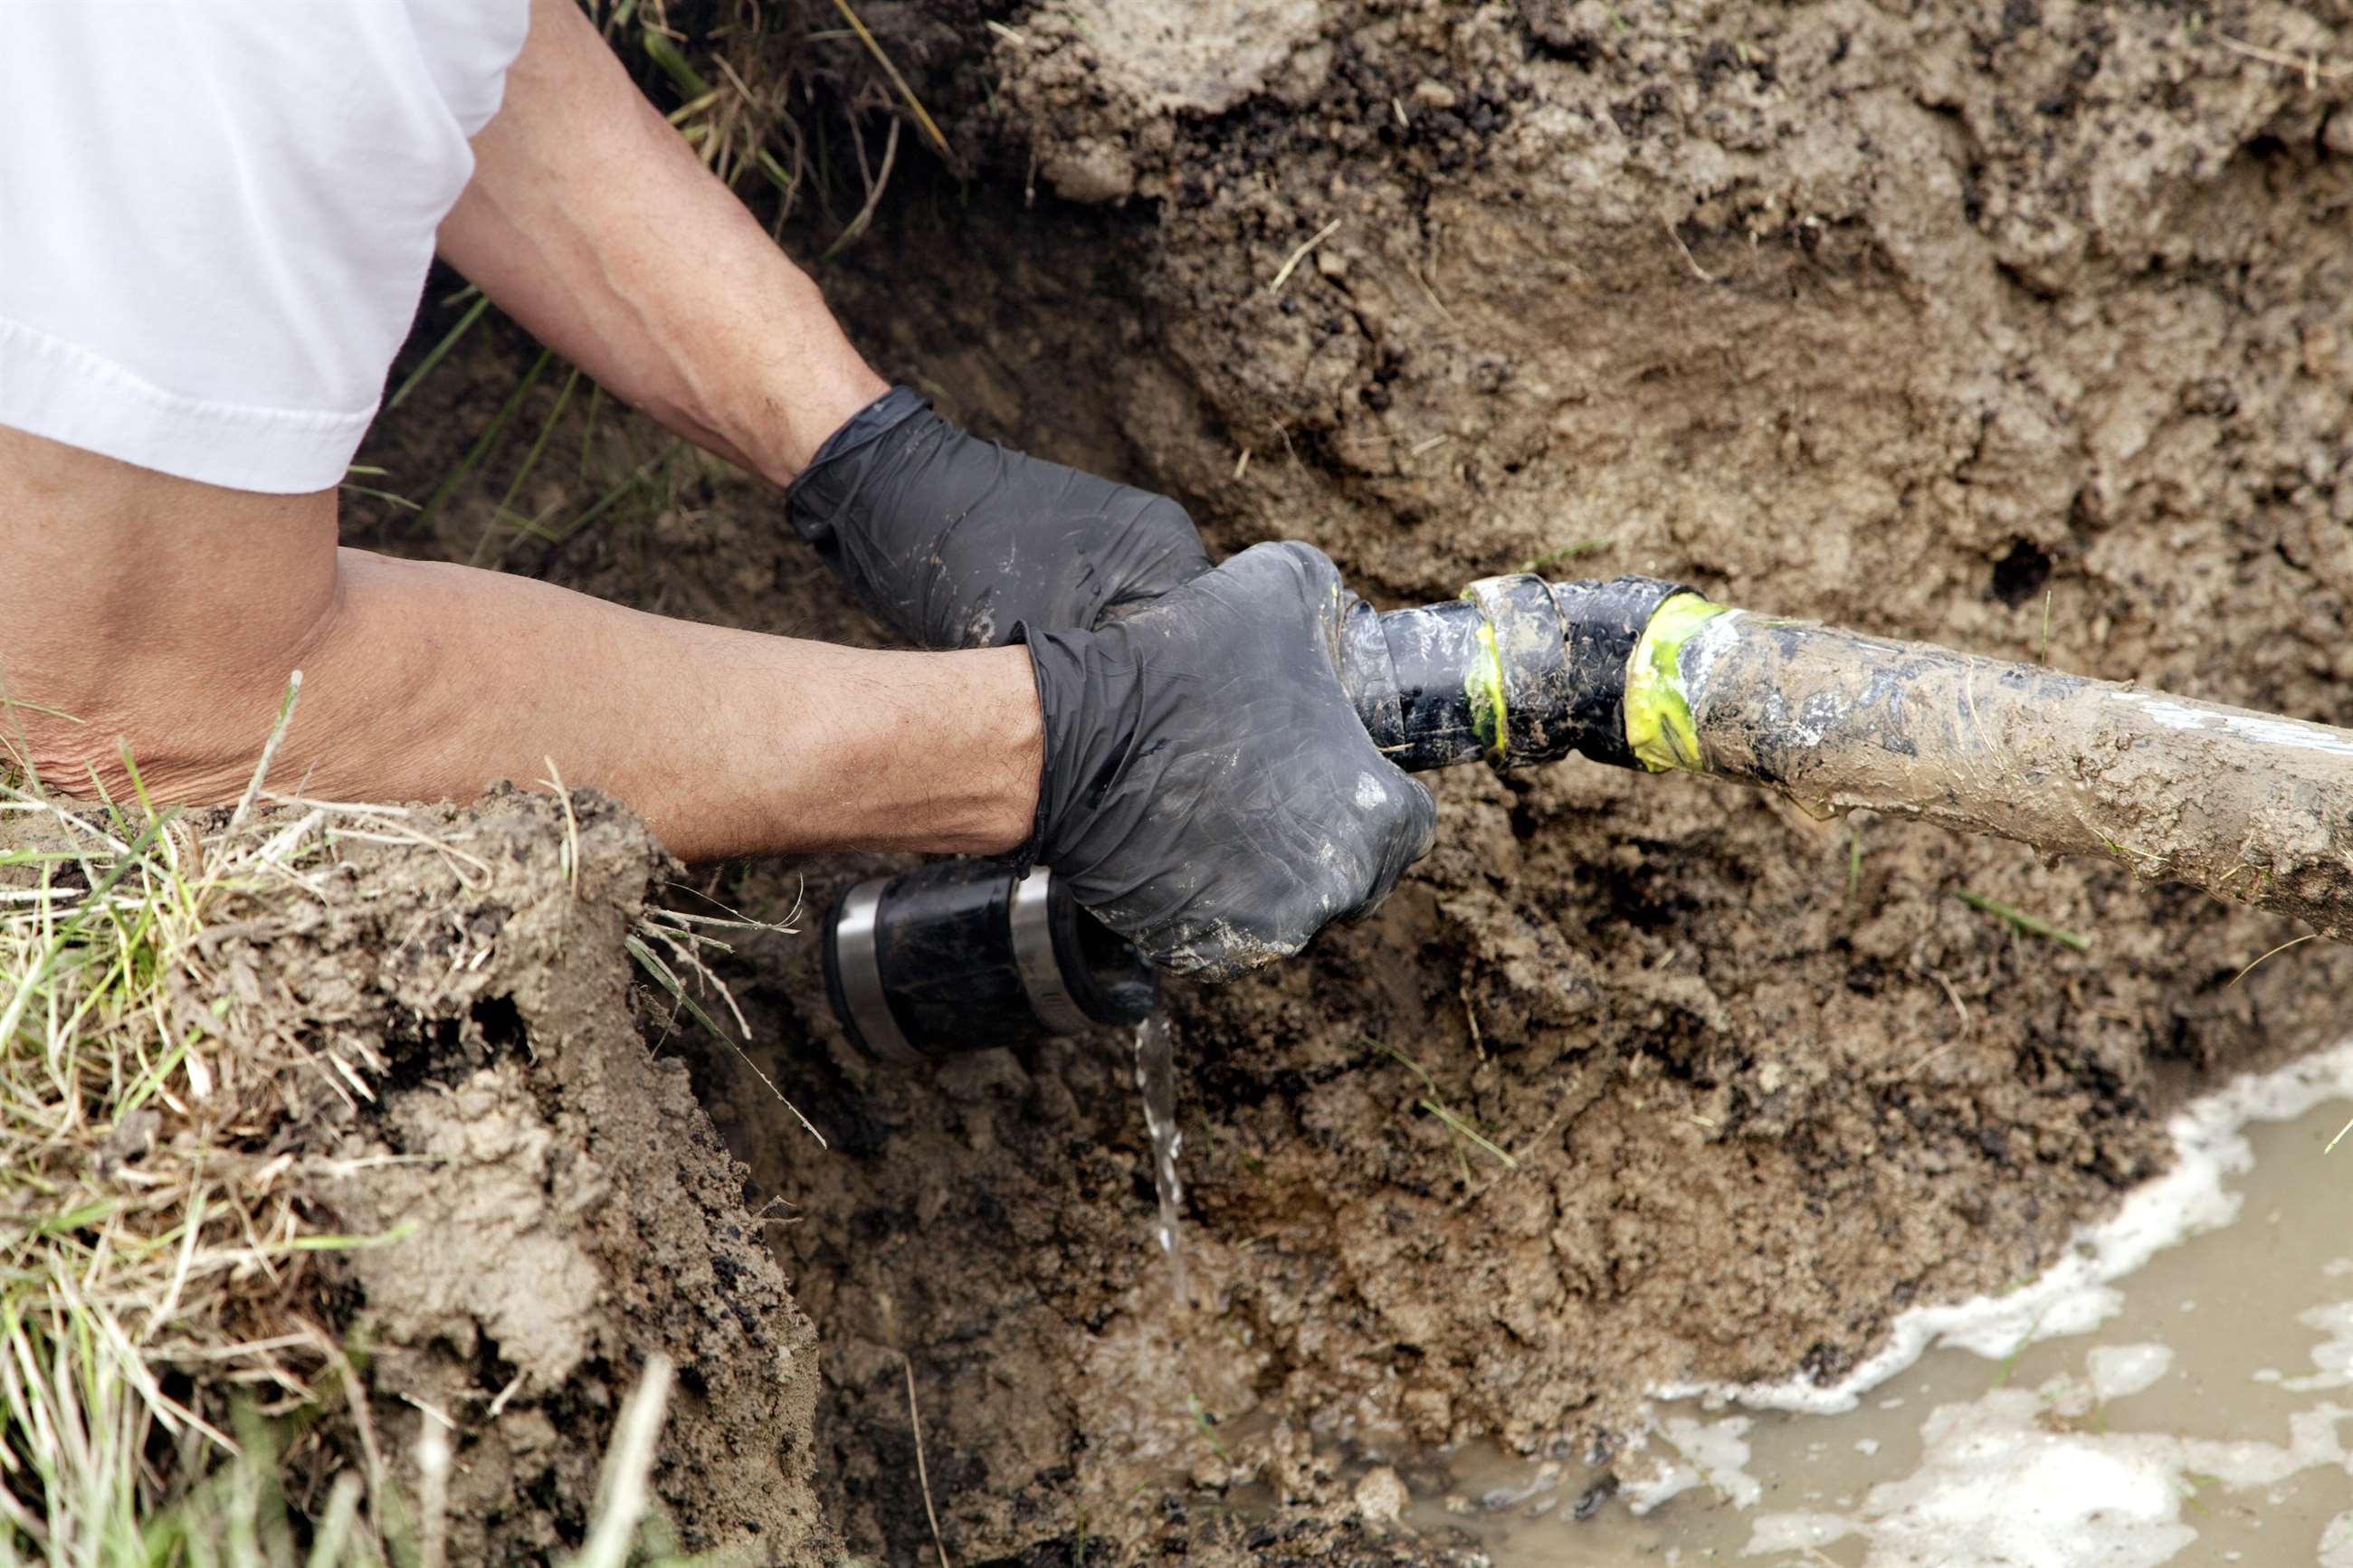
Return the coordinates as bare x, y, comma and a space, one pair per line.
440, 351
1569, 551
2033, 925
504, 515
238, 1515
1462, 1129
486, 440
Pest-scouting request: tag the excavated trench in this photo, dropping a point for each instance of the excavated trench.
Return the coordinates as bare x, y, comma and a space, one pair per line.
1995, 325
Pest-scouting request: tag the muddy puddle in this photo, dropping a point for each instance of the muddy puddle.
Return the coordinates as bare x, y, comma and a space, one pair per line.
2174, 1390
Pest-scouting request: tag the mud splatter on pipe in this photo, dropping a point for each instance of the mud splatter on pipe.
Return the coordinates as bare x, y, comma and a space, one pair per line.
2251, 806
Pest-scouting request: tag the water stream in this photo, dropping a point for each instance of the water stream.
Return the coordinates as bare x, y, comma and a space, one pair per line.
2176, 1390
1155, 1080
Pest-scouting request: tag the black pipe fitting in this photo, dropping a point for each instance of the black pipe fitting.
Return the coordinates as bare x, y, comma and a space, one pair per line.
1411, 673
1517, 671
1601, 624
968, 954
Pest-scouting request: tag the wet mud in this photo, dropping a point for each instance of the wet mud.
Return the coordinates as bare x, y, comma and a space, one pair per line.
2171, 1394
1951, 323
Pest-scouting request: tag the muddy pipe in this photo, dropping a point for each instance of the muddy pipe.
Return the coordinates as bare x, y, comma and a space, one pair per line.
1641, 673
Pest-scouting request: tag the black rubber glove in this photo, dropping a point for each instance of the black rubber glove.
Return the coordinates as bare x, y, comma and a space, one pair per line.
1209, 791
953, 540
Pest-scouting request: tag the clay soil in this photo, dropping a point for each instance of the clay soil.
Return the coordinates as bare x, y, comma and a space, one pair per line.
2009, 325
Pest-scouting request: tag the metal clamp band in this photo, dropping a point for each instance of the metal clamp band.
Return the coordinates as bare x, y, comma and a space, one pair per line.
1033, 955
861, 969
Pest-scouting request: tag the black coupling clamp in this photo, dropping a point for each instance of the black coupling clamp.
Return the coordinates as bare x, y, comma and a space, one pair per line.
972, 954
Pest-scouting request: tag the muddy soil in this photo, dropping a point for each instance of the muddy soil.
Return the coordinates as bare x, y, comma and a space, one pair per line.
561, 1209
2014, 327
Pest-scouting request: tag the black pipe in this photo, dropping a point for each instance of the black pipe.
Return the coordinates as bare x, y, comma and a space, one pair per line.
967, 954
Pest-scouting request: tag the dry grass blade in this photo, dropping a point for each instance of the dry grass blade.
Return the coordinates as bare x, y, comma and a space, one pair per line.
875, 186
922, 1471
2291, 942
621, 1491
1291, 263
433, 1459
914, 105
554, 780
2308, 65
268, 751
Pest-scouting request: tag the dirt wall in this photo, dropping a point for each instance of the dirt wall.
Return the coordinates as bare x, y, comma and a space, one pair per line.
1956, 323
555, 1207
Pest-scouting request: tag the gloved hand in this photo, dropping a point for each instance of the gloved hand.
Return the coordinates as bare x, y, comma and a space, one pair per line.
952, 539
1209, 791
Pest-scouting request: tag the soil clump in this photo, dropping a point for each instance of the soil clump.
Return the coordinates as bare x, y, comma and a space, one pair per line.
467, 1086
1985, 325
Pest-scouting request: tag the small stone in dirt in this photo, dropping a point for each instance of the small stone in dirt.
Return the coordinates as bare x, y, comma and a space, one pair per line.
1380, 1496
1590, 1502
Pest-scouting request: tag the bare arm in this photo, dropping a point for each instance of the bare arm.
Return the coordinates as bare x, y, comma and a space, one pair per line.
591, 222
164, 615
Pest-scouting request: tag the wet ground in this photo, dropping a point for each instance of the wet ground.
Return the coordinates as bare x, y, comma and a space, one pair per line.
2174, 1392
2016, 328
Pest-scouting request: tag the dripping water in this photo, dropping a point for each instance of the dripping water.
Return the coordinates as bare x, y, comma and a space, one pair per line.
1155, 1080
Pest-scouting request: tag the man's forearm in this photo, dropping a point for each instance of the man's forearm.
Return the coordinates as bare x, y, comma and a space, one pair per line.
432, 681
591, 222
150, 613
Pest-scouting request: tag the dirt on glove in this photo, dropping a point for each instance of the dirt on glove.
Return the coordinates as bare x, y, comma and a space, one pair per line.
2016, 326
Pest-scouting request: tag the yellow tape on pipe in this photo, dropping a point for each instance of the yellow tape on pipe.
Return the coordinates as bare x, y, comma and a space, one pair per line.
1658, 706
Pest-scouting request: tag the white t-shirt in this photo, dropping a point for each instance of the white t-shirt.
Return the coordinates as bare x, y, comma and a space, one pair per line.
216, 218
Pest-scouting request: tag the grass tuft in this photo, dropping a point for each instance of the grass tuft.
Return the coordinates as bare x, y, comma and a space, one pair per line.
141, 1200
155, 1362
2033, 925
683, 936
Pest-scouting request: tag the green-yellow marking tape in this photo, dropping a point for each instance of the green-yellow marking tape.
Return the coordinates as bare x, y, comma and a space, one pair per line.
1483, 683
1657, 708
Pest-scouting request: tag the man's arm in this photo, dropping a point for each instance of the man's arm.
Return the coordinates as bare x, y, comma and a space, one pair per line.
164, 615
1195, 767
591, 221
